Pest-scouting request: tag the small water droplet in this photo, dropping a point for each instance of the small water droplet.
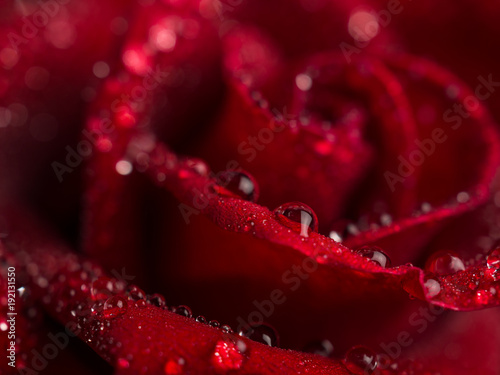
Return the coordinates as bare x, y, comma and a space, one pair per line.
226, 328
198, 165
184, 311
201, 319
444, 263
214, 323
361, 360
298, 217
157, 300
226, 356
323, 348
335, 236
135, 293
237, 184
114, 306
101, 288
141, 303
493, 264
375, 254
484, 297
263, 333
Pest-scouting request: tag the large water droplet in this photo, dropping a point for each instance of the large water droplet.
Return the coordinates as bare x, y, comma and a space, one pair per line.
323, 348
493, 264
375, 254
237, 184
226, 356
297, 216
263, 333
444, 263
361, 360
114, 306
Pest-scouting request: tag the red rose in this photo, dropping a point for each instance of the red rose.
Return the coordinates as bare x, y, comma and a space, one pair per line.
320, 175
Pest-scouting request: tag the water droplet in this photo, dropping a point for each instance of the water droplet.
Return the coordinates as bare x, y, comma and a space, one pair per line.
141, 303
201, 319
114, 306
361, 360
226, 328
101, 288
226, 356
444, 263
432, 285
493, 264
323, 348
157, 300
263, 333
237, 184
135, 293
198, 165
214, 323
375, 254
184, 311
174, 367
484, 297
298, 217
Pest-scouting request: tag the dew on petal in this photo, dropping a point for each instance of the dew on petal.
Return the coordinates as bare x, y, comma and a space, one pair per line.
361, 360
298, 217
114, 306
263, 333
157, 300
375, 254
493, 264
239, 184
101, 288
323, 348
184, 311
432, 286
226, 356
444, 263
135, 293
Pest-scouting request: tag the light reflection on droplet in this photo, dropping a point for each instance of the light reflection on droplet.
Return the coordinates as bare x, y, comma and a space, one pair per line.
363, 25
123, 167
